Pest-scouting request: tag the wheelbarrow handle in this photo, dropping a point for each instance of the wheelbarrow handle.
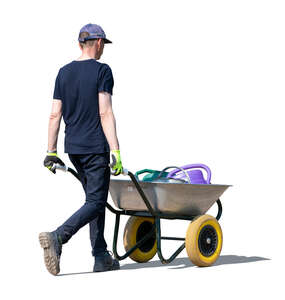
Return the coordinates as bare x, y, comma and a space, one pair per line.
140, 191
67, 169
124, 172
193, 166
57, 166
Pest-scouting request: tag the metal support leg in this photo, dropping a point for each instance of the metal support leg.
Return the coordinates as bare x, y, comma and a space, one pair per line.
158, 238
137, 245
220, 209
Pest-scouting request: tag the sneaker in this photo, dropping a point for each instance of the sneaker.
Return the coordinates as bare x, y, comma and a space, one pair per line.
105, 262
52, 251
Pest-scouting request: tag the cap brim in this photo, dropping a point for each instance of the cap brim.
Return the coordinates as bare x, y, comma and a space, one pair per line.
106, 41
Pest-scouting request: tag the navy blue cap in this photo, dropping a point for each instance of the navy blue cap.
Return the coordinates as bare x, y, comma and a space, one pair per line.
95, 32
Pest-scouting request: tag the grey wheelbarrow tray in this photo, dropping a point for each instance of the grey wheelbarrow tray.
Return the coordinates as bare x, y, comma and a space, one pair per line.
159, 200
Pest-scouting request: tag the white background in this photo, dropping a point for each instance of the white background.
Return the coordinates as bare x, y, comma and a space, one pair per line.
195, 81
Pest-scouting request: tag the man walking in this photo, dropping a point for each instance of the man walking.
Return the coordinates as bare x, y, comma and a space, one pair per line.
82, 96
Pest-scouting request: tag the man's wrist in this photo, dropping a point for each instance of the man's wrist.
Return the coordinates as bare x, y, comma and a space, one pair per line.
51, 151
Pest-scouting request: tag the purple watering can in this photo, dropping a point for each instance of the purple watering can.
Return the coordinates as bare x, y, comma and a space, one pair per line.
195, 176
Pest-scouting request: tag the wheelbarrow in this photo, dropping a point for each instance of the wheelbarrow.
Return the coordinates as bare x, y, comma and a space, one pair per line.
181, 194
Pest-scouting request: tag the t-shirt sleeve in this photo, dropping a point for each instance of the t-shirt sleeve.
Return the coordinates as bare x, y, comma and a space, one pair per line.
56, 93
105, 79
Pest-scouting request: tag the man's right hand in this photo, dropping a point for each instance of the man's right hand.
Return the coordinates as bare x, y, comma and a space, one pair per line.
116, 164
51, 159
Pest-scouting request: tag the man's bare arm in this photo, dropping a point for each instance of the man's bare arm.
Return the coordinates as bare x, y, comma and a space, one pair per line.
54, 124
108, 120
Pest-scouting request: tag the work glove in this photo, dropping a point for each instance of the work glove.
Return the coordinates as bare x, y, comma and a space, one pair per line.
51, 159
116, 163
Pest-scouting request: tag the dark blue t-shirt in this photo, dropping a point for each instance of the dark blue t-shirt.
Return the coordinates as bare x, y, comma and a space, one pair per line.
77, 86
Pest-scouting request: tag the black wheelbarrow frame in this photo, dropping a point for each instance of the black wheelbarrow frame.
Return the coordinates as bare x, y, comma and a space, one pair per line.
156, 228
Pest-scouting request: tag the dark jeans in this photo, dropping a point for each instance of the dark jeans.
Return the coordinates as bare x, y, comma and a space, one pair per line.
95, 178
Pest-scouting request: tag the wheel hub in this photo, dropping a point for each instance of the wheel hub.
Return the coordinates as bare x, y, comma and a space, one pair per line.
208, 240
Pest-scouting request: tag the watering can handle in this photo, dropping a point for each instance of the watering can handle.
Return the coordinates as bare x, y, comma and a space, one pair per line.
143, 171
178, 170
193, 166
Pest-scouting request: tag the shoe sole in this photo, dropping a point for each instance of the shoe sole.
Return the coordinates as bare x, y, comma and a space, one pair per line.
50, 257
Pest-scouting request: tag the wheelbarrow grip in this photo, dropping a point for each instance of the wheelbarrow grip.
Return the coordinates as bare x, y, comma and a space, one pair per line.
194, 166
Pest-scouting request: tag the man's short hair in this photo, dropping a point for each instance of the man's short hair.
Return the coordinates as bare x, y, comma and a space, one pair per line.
88, 43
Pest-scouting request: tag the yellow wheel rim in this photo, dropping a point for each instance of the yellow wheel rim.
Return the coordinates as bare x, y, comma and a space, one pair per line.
135, 229
204, 240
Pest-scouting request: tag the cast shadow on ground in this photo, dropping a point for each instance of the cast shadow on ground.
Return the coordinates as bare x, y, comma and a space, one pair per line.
184, 262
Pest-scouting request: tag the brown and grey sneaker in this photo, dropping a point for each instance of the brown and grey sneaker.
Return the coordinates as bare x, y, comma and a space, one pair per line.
52, 251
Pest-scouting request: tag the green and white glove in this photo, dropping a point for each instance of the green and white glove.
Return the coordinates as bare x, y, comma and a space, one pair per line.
116, 163
51, 159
